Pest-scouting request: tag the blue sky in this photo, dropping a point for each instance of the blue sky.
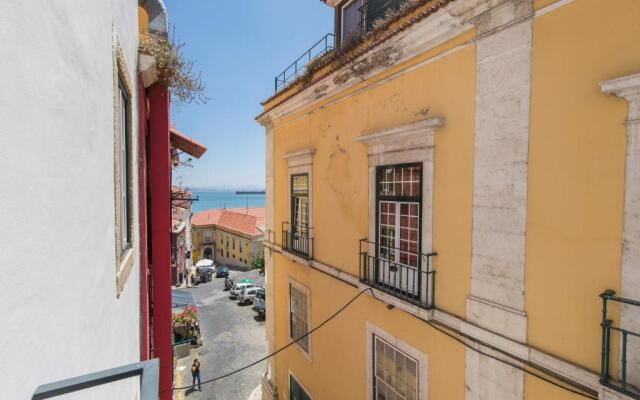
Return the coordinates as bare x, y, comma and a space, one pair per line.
240, 46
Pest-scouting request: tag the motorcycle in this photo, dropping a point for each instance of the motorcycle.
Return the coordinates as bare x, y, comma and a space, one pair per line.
228, 283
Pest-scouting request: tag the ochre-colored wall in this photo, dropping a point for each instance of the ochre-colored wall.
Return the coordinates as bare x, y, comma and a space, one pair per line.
576, 172
143, 20
338, 350
444, 87
234, 254
574, 214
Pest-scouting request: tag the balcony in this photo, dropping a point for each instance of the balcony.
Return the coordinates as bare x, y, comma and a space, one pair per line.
626, 384
148, 371
298, 67
296, 242
379, 10
406, 275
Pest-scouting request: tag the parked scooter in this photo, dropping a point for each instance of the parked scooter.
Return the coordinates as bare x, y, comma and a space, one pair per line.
228, 283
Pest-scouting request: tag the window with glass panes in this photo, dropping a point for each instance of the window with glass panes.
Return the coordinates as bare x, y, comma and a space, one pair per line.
351, 21
300, 204
298, 316
296, 392
395, 373
399, 200
125, 181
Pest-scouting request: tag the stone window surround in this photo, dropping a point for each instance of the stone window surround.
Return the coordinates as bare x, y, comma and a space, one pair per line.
628, 88
423, 360
300, 162
289, 375
124, 259
304, 289
409, 143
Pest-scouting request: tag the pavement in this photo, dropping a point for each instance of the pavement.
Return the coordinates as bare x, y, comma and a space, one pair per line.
233, 336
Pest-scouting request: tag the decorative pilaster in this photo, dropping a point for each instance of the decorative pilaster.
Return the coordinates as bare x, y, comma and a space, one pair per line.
503, 90
269, 391
628, 88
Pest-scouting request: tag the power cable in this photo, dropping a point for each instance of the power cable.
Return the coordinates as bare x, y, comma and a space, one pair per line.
341, 309
541, 377
433, 325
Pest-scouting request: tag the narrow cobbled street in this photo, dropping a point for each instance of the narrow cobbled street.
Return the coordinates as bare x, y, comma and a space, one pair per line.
233, 336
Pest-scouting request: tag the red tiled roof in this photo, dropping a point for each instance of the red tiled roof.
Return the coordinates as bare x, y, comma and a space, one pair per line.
249, 221
180, 197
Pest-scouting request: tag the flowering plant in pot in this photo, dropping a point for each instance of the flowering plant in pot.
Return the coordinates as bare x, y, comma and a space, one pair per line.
184, 322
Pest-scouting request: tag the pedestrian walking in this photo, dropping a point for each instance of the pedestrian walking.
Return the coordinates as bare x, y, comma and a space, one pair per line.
195, 374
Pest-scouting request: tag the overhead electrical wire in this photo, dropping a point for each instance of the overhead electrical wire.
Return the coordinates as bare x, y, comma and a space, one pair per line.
340, 310
513, 365
431, 324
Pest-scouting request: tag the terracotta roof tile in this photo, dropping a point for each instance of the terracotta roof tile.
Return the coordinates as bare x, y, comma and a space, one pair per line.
249, 221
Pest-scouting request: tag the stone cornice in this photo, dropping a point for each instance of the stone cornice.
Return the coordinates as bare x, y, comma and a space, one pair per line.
413, 135
148, 68
435, 29
299, 157
453, 19
628, 88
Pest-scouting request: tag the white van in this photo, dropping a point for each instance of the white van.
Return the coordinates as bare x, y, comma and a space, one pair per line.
238, 287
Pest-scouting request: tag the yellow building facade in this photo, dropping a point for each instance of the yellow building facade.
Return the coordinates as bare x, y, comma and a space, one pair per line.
231, 237
466, 179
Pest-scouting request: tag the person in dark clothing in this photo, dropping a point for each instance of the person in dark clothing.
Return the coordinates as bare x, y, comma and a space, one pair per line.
195, 374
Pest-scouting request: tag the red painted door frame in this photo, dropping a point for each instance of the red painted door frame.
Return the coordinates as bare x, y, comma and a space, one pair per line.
160, 219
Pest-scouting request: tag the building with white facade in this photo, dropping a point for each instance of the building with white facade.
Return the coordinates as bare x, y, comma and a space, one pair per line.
74, 118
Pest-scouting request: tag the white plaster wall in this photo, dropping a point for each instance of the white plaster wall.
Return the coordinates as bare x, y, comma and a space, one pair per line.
61, 317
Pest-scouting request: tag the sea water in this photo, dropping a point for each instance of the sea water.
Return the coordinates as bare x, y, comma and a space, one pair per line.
224, 199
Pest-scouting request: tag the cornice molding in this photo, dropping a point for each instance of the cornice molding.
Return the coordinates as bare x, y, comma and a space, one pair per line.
409, 136
626, 87
422, 36
300, 157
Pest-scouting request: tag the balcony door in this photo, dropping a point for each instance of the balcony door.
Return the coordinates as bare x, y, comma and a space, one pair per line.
300, 212
399, 227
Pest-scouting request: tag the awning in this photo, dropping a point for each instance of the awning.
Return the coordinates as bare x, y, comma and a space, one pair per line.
205, 262
180, 298
183, 142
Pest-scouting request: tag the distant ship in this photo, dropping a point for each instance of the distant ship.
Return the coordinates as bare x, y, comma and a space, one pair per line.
250, 192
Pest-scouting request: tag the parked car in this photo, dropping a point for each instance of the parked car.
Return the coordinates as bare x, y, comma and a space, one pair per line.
222, 272
204, 274
249, 294
259, 303
238, 287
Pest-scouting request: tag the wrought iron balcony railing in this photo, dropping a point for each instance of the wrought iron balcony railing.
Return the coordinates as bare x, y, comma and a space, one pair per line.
146, 370
406, 275
297, 241
373, 10
298, 67
625, 336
